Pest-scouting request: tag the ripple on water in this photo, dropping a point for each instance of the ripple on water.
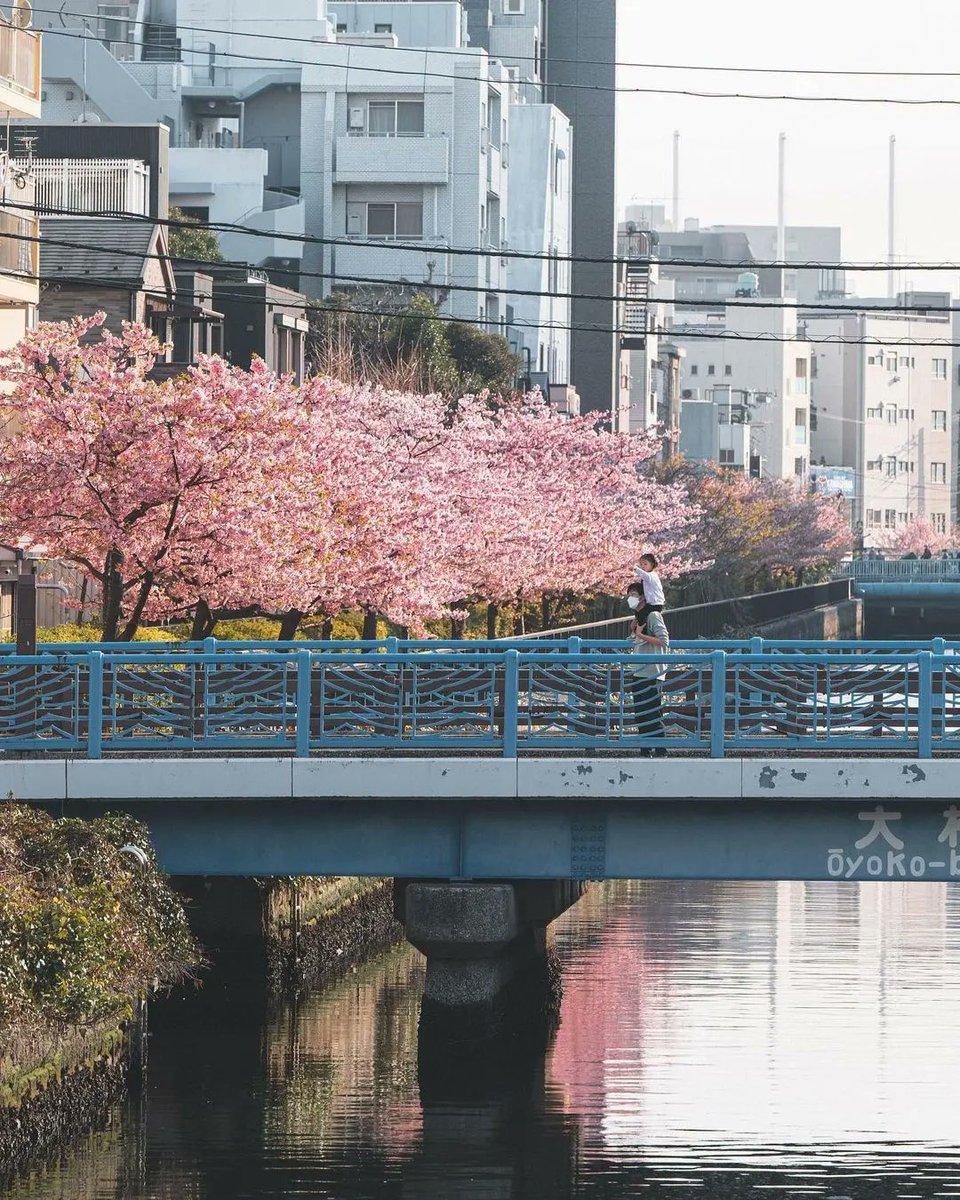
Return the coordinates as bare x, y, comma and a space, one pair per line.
728, 1040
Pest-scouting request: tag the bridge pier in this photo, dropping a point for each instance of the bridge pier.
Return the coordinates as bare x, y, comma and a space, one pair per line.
491, 976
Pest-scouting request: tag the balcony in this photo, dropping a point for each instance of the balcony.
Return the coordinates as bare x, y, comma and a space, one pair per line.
282, 219
428, 267
90, 185
19, 71
392, 158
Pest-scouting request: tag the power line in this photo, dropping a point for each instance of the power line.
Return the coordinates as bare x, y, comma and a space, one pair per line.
488, 252
899, 311
657, 66
424, 73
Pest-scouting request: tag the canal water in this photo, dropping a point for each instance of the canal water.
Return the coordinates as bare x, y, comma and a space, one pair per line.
718, 1040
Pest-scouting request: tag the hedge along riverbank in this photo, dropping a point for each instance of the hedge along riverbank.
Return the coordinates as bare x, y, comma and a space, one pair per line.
88, 927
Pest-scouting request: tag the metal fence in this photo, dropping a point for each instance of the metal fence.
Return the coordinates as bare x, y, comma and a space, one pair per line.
900, 570
503, 701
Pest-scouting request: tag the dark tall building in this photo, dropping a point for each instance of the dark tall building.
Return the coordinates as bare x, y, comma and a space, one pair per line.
581, 49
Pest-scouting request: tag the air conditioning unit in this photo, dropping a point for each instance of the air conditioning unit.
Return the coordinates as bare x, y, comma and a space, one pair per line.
355, 120
354, 224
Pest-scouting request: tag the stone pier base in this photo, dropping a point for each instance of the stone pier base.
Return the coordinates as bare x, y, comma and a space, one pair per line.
491, 977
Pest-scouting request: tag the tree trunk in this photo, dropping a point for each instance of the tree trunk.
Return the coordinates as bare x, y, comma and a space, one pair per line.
131, 627
370, 629
492, 613
544, 611
456, 629
204, 622
112, 594
326, 630
82, 619
289, 624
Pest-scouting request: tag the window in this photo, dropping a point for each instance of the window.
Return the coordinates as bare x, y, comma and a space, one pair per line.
905, 363
903, 467
904, 414
871, 362
891, 362
728, 370
800, 426
513, 8
891, 414
801, 374
726, 458
799, 466
874, 516
341, 27
939, 522
903, 518
394, 118
891, 466
889, 518
939, 368
711, 370
395, 220
694, 369
938, 472
939, 416
874, 414
383, 29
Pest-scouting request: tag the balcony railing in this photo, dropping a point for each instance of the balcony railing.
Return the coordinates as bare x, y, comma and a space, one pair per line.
20, 59
90, 185
19, 248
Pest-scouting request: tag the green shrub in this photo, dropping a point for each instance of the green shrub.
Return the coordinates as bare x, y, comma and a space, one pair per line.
84, 929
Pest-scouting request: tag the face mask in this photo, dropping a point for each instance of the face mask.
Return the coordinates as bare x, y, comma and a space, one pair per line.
633, 601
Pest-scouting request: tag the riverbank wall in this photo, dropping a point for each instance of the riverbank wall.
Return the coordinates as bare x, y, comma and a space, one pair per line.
61, 1086
831, 623
288, 933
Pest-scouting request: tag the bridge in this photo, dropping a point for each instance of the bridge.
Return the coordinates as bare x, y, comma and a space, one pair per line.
463, 760
493, 781
900, 570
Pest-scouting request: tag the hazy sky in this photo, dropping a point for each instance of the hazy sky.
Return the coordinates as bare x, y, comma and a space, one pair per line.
836, 153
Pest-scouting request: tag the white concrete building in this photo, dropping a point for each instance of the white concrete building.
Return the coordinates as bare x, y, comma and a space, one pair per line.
19, 249
376, 123
759, 352
885, 410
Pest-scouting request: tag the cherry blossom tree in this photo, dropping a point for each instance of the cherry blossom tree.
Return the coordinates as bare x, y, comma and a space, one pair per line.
918, 535
132, 480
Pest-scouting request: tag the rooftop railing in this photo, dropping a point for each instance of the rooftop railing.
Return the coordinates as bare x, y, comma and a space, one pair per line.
506, 702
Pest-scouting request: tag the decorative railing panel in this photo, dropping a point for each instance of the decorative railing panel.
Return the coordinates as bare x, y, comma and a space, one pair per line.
501, 700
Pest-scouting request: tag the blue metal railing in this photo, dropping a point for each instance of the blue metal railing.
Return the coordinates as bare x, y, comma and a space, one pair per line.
899, 570
506, 700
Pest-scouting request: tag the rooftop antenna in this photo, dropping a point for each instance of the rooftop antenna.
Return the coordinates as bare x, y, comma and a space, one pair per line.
892, 219
676, 180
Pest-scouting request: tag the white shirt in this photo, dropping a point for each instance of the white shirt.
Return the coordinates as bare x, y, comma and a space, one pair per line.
652, 587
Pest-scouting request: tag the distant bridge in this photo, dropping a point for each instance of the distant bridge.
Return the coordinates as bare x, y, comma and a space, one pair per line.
900, 570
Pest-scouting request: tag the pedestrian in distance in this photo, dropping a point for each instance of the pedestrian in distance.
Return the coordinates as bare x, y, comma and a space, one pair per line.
650, 598
927, 552
647, 634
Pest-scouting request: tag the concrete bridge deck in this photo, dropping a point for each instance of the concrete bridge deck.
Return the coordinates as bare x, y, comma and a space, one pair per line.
555, 818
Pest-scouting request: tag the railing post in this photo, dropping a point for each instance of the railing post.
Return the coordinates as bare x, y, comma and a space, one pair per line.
393, 645
95, 705
304, 696
756, 645
718, 701
511, 702
939, 647
210, 645
925, 706
574, 645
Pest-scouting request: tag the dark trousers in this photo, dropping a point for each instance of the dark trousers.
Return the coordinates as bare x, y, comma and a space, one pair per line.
647, 707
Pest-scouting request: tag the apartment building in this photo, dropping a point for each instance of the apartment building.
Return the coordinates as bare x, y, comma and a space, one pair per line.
385, 131
759, 354
19, 244
885, 409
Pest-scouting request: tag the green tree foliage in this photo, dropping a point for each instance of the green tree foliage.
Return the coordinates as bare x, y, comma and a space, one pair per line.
196, 244
483, 360
84, 928
403, 343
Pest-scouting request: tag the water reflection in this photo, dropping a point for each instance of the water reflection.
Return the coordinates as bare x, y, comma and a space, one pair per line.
721, 1040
